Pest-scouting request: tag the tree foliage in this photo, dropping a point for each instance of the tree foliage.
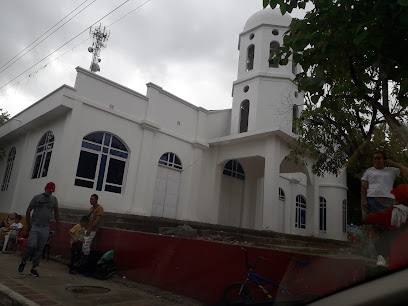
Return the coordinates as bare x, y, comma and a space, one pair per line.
354, 75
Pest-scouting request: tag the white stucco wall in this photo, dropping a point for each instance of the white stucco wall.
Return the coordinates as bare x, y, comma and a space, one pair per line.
110, 94
160, 122
24, 188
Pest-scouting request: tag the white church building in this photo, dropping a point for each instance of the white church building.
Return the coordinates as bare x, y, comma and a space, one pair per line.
159, 155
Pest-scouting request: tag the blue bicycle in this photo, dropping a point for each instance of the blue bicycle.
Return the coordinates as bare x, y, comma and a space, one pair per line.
239, 292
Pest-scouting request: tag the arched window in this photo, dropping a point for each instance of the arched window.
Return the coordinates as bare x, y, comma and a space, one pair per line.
323, 212
282, 196
295, 116
244, 115
273, 47
171, 160
9, 168
234, 169
300, 220
250, 57
294, 67
43, 155
344, 216
102, 163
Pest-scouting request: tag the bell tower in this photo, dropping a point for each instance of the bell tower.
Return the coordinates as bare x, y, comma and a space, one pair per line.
264, 96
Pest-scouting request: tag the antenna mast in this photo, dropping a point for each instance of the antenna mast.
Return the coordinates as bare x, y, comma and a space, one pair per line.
100, 36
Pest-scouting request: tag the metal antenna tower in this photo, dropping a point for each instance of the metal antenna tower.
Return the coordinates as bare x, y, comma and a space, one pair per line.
100, 36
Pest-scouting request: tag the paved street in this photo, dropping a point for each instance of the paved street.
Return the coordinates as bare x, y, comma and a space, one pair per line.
54, 284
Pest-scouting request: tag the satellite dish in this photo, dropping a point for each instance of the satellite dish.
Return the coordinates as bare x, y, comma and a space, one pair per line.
90, 49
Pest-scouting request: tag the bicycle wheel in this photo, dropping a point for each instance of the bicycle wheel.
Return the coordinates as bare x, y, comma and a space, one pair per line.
231, 294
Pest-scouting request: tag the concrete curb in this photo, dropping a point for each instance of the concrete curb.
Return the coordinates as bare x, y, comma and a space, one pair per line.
12, 298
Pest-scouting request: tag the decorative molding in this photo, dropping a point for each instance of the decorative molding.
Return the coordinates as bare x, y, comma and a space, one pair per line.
148, 125
109, 82
178, 99
152, 85
334, 185
200, 145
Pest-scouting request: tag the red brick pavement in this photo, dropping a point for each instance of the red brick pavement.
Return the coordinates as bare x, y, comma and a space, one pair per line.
25, 291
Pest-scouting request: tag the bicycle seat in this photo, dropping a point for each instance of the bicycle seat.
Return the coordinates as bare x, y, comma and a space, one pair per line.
299, 262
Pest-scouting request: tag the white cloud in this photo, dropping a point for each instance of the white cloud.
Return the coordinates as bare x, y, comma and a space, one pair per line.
187, 47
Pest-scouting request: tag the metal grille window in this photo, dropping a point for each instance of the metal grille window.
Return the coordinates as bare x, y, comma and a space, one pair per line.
323, 212
344, 216
300, 220
9, 169
171, 160
294, 67
273, 47
282, 196
43, 155
234, 169
295, 116
243, 126
250, 58
102, 163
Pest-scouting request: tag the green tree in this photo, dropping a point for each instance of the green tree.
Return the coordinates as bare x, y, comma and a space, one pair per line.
354, 75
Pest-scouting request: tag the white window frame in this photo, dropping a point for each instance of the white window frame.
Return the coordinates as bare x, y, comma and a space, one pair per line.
250, 61
295, 115
242, 112
172, 161
45, 148
294, 67
300, 207
234, 171
272, 45
322, 214
109, 156
282, 195
9, 169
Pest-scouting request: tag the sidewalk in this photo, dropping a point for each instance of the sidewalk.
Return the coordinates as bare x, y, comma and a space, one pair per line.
55, 285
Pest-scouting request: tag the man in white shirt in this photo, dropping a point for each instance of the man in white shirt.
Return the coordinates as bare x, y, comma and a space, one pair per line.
376, 185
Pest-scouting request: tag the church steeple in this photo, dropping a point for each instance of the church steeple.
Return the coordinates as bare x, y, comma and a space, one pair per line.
263, 94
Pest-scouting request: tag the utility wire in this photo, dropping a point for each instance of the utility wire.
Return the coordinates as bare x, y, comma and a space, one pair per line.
41, 37
57, 58
66, 43
129, 13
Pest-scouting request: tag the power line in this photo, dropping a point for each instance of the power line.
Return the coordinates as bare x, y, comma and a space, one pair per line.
66, 43
129, 13
57, 58
42, 67
41, 37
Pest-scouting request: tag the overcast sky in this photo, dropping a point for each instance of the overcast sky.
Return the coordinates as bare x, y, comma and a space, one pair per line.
187, 47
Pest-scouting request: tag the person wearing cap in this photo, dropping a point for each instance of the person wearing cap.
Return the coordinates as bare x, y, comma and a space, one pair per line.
42, 205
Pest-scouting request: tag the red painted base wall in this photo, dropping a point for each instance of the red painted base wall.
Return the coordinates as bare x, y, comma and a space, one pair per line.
202, 269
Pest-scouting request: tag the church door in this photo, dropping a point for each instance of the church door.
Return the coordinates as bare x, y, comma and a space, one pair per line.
231, 197
166, 193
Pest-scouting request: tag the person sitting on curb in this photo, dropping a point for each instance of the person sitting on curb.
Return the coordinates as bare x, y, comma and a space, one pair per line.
6, 222
12, 231
76, 241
